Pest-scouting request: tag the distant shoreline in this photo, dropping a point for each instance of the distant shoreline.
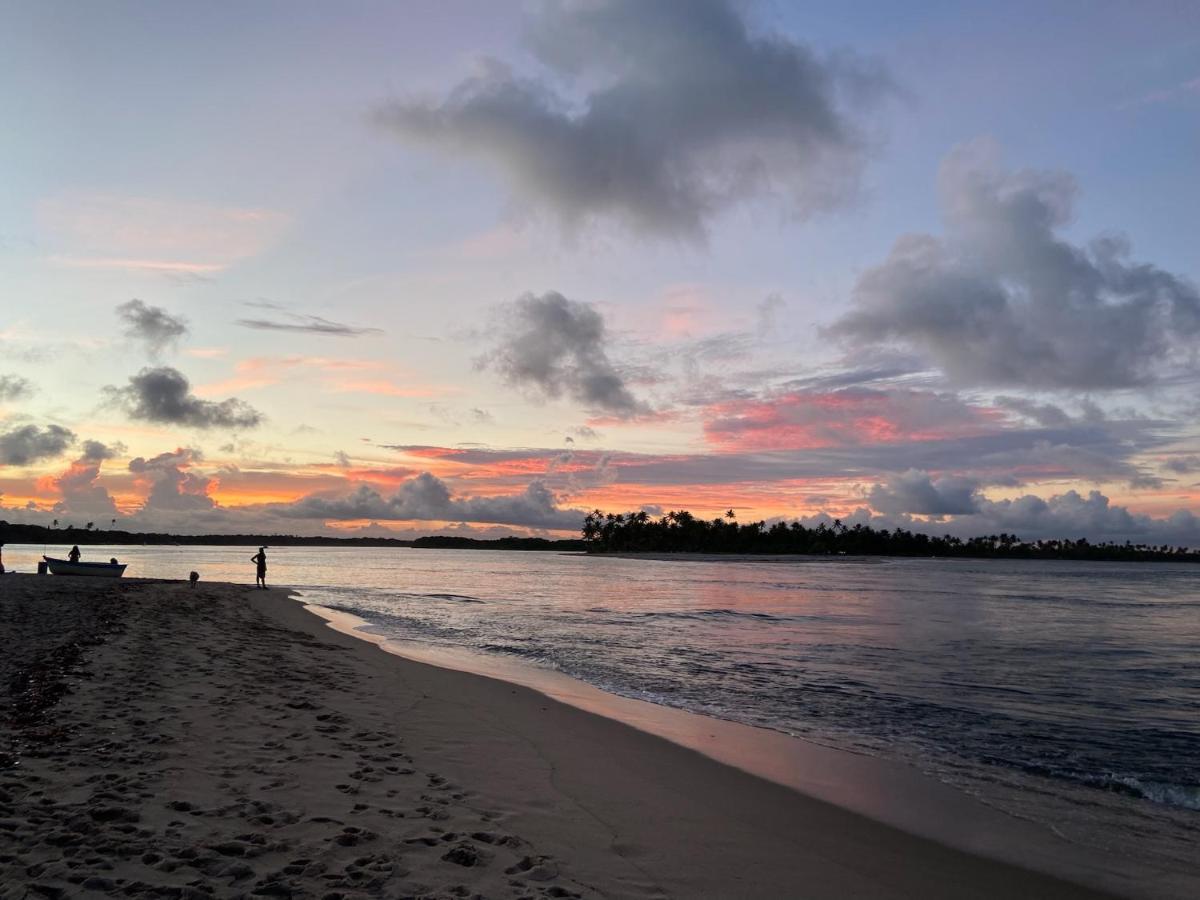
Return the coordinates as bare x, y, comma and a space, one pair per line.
40, 534
923, 547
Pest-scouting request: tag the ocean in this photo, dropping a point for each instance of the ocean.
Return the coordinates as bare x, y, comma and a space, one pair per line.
1065, 693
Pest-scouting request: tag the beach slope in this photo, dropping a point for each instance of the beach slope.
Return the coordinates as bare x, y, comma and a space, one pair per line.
157, 740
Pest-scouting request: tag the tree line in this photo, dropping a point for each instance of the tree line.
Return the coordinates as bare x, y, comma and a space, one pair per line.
681, 532
12, 533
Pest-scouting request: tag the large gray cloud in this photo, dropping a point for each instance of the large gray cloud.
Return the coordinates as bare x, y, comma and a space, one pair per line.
153, 326
172, 485
1004, 299
658, 114
29, 444
428, 497
163, 395
915, 492
557, 346
14, 387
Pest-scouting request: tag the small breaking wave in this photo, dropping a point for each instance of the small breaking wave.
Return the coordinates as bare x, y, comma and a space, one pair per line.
703, 614
1182, 796
456, 598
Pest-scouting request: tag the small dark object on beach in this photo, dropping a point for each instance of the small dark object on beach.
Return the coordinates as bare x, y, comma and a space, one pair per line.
193, 578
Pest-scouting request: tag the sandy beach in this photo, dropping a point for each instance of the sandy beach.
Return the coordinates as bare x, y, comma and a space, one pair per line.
219, 742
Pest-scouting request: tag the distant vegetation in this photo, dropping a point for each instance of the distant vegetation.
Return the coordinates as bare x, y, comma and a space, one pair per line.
89, 534
681, 532
69, 534
454, 542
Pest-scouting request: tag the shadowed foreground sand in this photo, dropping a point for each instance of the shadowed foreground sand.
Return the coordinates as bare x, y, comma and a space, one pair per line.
157, 741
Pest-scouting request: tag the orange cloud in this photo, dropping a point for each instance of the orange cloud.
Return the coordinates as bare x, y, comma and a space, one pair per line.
386, 388
263, 371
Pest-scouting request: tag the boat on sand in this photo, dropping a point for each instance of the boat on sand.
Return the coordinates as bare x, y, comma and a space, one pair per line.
66, 567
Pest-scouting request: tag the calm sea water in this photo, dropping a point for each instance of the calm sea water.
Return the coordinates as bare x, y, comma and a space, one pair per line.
1067, 693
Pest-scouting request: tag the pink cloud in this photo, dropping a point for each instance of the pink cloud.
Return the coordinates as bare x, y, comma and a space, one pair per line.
807, 420
112, 231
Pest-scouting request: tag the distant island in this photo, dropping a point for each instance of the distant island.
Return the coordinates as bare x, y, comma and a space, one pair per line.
90, 535
681, 532
44, 534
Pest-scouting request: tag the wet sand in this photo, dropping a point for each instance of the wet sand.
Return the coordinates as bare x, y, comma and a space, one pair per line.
159, 741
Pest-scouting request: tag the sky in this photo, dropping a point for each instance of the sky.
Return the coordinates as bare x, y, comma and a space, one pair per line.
477, 268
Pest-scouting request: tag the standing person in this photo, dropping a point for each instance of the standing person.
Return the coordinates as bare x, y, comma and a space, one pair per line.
260, 560
74, 555
1, 559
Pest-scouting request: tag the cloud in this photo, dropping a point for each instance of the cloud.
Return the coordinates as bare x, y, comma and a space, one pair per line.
172, 485
163, 395
173, 238
308, 324
846, 417
656, 114
915, 492
29, 444
970, 442
557, 346
77, 485
428, 497
153, 326
1183, 465
1069, 515
14, 387
1003, 299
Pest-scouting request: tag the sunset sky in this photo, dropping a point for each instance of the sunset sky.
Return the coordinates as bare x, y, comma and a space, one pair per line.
405, 268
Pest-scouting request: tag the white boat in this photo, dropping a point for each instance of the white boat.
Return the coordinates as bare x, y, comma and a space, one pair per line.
66, 567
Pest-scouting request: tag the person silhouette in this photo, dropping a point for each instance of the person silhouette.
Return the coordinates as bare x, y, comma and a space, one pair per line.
74, 555
1, 558
260, 560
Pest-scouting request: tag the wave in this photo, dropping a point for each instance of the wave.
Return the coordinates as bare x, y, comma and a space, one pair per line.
1182, 796
702, 614
457, 598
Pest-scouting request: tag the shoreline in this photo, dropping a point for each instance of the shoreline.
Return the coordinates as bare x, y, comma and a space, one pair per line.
225, 741
888, 792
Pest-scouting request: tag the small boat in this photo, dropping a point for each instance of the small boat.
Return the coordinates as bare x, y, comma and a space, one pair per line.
66, 567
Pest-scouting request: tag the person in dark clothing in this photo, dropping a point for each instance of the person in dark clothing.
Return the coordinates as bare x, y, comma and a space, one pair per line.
260, 560
74, 555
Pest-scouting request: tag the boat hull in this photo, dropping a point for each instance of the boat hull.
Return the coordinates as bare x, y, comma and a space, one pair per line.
101, 570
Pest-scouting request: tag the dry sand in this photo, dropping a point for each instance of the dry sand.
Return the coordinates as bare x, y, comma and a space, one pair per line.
159, 741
